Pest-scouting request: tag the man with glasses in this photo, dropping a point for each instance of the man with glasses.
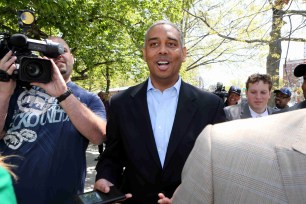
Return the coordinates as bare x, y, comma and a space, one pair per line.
282, 98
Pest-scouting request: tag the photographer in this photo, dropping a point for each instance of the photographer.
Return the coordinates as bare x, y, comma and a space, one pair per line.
220, 91
49, 127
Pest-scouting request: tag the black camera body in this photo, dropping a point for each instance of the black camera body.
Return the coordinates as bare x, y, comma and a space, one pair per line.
30, 68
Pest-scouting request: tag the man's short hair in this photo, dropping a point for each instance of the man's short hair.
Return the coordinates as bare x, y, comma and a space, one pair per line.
265, 78
166, 22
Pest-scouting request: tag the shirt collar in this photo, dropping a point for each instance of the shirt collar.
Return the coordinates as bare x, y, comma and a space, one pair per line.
256, 115
177, 85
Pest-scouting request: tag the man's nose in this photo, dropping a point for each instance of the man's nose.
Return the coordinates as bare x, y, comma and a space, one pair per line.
163, 49
58, 57
258, 95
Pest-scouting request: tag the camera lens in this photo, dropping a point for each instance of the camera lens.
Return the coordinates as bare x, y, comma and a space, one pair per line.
33, 69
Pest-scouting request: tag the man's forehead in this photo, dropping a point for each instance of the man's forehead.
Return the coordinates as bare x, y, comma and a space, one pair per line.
59, 40
163, 28
258, 83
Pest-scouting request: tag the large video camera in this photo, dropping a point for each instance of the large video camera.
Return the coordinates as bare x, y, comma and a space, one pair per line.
30, 68
220, 91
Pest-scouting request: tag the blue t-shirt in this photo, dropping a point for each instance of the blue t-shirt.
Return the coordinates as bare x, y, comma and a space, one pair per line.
51, 153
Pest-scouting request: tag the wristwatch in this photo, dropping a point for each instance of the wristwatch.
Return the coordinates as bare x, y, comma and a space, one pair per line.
64, 95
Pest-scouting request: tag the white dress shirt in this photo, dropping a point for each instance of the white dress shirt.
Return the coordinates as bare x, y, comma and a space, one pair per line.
256, 115
162, 108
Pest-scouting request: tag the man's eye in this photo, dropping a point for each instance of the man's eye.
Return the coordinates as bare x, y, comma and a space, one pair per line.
172, 44
153, 44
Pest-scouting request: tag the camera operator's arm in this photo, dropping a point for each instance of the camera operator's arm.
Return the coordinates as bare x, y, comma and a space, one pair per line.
6, 88
86, 121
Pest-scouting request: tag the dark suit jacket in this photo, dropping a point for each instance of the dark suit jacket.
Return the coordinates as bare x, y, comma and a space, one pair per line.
131, 144
241, 111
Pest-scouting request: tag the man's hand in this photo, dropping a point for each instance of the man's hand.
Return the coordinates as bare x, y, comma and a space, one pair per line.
103, 186
7, 64
163, 199
57, 86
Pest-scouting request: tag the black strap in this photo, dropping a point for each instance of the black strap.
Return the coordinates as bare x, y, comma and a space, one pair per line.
64, 95
4, 76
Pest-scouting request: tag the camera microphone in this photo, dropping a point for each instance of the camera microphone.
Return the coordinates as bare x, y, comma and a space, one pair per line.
18, 40
47, 47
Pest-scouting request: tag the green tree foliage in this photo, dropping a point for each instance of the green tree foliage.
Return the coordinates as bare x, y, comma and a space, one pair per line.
105, 36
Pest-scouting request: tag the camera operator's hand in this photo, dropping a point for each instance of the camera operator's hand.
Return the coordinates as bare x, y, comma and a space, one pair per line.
57, 86
7, 64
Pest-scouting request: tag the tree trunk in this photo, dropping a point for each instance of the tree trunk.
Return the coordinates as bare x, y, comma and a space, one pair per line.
108, 81
275, 47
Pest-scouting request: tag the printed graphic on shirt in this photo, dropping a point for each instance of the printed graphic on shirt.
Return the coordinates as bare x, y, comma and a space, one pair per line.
35, 109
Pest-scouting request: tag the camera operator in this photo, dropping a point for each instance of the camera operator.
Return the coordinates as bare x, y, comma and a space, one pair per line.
49, 127
220, 91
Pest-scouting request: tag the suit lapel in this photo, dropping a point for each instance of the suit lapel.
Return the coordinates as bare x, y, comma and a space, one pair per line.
245, 111
270, 110
184, 114
139, 108
292, 163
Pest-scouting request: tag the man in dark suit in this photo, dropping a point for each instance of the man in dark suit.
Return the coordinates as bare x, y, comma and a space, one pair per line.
258, 92
152, 127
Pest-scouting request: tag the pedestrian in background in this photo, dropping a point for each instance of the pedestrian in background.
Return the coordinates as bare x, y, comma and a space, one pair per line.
299, 71
258, 93
233, 96
282, 98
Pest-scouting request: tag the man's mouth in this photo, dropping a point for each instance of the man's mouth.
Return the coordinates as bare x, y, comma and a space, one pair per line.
258, 102
160, 63
163, 65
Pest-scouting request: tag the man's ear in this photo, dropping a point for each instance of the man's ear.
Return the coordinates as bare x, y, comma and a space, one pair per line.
144, 55
184, 53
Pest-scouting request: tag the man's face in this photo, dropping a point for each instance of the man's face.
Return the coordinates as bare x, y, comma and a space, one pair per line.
233, 98
281, 100
258, 95
64, 61
164, 55
304, 86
